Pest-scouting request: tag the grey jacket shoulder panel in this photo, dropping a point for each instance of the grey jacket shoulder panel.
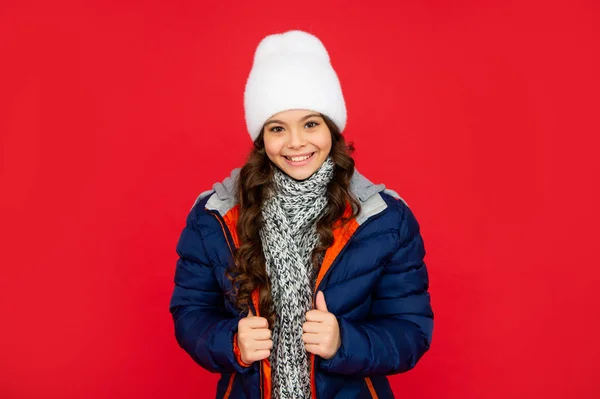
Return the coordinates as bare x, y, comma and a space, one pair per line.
224, 194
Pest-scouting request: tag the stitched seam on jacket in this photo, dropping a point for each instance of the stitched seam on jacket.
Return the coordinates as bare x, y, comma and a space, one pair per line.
375, 234
415, 266
329, 285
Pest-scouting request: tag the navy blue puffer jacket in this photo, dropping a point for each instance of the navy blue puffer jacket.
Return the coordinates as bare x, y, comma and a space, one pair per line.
373, 277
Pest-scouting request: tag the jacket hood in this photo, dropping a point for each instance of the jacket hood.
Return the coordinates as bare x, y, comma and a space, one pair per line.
360, 186
367, 193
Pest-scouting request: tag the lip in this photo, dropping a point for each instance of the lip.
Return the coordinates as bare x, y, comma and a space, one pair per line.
300, 155
301, 163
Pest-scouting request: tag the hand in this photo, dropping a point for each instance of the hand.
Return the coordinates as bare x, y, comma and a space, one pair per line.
254, 338
321, 330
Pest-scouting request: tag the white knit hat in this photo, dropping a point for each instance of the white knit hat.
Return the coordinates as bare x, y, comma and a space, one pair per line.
292, 70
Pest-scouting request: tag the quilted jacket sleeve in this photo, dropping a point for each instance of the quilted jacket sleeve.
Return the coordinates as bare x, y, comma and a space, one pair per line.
202, 327
398, 331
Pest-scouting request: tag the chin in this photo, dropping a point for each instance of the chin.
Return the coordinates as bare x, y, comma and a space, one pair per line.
299, 175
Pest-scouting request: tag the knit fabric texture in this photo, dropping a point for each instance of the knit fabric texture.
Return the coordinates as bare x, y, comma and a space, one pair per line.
289, 237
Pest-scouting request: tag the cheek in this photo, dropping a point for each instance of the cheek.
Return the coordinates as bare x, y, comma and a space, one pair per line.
324, 142
272, 148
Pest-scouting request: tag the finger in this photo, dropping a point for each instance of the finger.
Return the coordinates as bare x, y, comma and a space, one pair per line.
316, 316
312, 348
263, 354
254, 356
312, 327
261, 334
249, 323
250, 314
321, 304
262, 345
309, 338
257, 322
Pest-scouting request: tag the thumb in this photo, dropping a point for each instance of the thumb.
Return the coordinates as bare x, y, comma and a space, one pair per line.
321, 304
250, 314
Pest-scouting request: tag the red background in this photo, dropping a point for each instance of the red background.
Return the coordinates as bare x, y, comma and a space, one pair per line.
114, 116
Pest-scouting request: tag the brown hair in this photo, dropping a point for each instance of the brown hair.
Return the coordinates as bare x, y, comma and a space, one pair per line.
249, 270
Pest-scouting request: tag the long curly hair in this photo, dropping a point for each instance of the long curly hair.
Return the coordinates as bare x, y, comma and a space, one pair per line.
255, 180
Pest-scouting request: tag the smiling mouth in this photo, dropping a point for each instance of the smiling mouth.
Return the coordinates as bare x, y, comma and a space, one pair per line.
299, 158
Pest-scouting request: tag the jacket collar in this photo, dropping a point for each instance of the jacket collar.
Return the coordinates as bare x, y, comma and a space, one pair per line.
367, 193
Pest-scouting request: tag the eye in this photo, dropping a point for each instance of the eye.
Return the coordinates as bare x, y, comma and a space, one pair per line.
311, 124
276, 127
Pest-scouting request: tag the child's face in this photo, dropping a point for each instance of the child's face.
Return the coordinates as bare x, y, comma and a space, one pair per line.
297, 141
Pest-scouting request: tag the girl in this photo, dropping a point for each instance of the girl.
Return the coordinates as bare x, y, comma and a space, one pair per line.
297, 276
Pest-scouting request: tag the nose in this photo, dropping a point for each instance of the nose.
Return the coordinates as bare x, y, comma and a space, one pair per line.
297, 139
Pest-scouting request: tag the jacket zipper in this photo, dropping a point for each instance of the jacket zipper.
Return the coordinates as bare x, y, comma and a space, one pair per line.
314, 357
371, 388
230, 242
225, 229
229, 386
335, 261
231, 245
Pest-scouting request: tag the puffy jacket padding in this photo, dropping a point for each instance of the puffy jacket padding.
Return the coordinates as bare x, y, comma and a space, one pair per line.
377, 288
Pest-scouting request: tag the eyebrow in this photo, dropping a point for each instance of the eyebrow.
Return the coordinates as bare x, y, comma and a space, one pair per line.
283, 123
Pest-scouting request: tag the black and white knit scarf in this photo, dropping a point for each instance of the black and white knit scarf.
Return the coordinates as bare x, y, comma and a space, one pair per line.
288, 238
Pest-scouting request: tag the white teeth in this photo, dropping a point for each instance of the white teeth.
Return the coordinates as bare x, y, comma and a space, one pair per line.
299, 159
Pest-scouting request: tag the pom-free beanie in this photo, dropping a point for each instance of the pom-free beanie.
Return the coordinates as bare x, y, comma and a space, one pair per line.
292, 70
